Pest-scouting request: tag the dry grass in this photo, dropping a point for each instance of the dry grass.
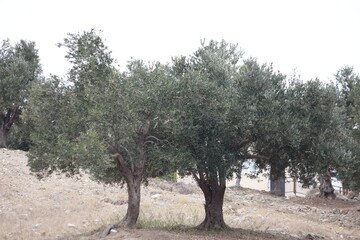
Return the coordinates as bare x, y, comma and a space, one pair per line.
60, 206
32, 209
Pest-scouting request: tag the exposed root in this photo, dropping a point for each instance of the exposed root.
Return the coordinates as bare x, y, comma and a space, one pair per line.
109, 227
107, 230
123, 223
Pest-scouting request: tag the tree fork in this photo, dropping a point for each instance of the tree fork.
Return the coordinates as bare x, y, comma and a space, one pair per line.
133, 179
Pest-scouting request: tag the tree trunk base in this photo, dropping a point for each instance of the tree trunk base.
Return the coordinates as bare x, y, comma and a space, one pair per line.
213, 224
107, 230
330, 195
213, 227
326, 187
123, 223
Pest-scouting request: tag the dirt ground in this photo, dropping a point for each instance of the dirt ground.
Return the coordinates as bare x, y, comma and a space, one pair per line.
73, 208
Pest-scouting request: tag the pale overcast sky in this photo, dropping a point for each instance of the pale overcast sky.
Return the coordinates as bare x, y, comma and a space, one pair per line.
315, 37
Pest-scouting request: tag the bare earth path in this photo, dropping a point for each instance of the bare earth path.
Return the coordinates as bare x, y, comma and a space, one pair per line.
70, 208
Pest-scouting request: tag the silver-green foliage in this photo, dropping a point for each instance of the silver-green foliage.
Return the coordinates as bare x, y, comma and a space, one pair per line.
349, 85
98, 111
19, 65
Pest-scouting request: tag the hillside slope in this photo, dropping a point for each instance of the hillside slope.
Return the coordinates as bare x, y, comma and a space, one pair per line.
67, 208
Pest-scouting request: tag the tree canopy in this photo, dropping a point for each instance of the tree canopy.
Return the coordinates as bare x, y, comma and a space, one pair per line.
101, 120
201, 115
19, 65
349, 85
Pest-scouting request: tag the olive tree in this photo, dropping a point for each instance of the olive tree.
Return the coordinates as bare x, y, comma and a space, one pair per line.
101, 120
263, 106
221, 108
324, 143
19, 65
349, 85
229, 111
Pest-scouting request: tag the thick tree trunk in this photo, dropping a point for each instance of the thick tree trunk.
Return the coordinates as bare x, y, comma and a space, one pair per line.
214, 217
238, 177
326, 188
3, 136
7, 119
133, 210
277, 181
214, 192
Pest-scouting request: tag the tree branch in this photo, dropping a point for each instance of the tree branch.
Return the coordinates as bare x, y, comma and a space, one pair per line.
122, 166
152, 137
201, 182
244, 143
130, 158
114, 153
112, 149
197, 179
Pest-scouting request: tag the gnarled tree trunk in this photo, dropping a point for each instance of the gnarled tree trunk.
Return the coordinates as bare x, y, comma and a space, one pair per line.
133, 210
277, 180
277, 186
326, 188
133, 183
133, 175
133, 179
214, 191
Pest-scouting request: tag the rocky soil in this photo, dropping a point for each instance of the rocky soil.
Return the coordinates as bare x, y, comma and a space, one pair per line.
74, 208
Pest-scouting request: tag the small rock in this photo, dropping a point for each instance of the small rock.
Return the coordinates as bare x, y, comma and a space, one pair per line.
37, 225
70, 225
113, 231
155, 196
240, 210
313, 237
85, 223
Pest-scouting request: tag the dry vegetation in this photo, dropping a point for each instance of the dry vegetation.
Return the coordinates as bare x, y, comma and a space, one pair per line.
73, 208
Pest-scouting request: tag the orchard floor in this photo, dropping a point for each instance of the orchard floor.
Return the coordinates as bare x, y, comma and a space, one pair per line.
73, 208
